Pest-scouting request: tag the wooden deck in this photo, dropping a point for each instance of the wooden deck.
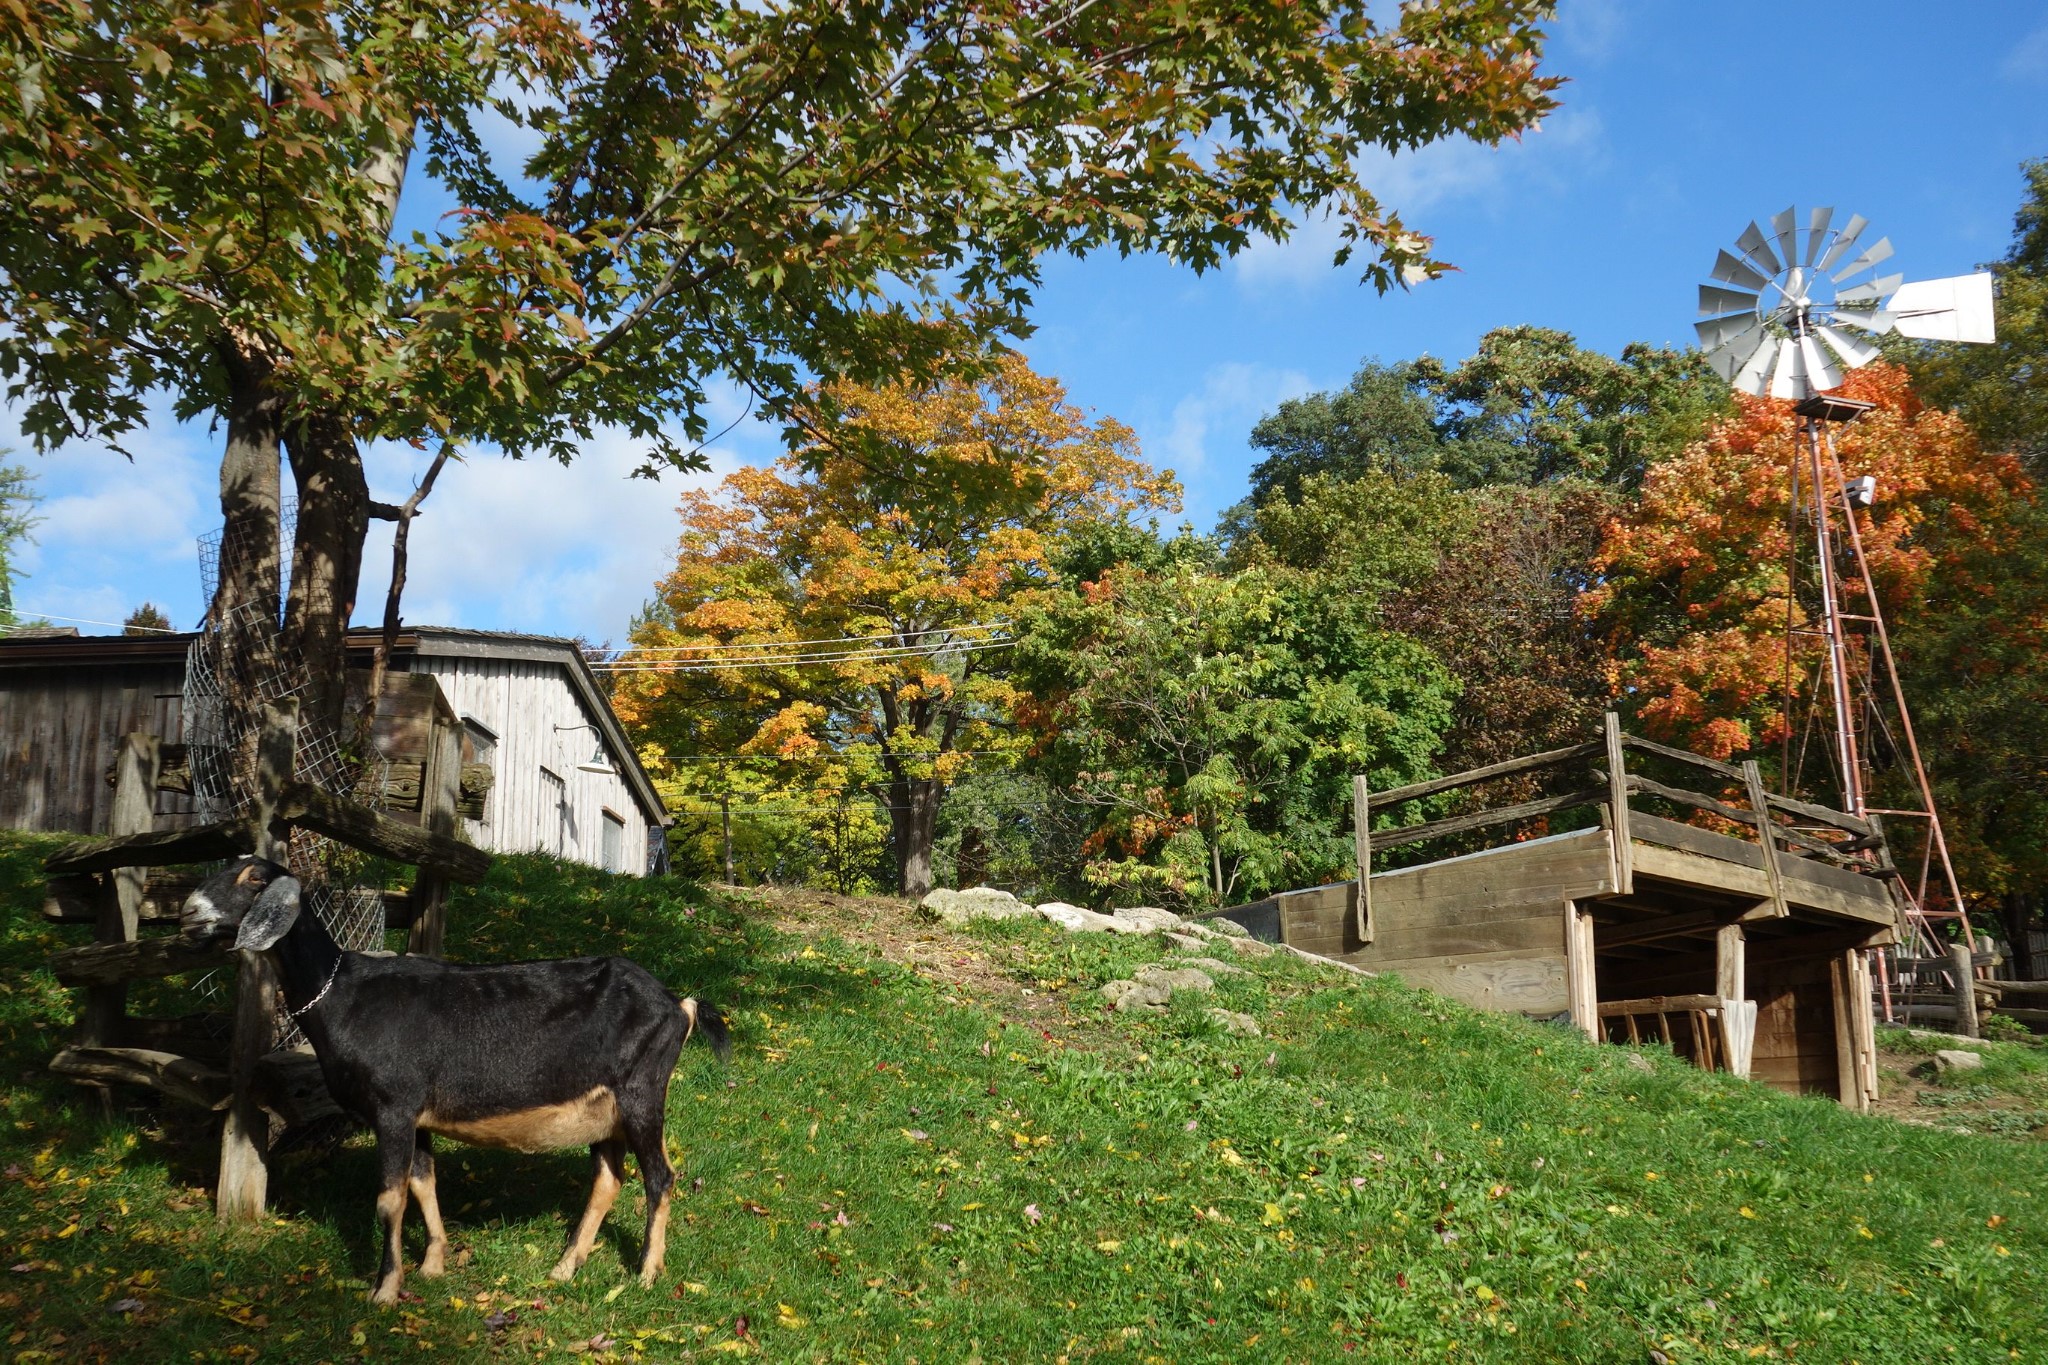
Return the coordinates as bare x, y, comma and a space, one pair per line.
1760, 940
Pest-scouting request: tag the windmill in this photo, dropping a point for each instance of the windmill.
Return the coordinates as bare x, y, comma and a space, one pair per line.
1789, 313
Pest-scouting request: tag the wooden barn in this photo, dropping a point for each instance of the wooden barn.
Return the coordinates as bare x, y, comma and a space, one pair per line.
1738, 939
546, 764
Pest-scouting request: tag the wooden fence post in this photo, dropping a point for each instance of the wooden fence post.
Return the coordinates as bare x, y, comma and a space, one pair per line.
120, 901
1361, 837
1738, 1012
244, 1183
1582, 988
1767, 835
1965, 973
440, 796
1617, 804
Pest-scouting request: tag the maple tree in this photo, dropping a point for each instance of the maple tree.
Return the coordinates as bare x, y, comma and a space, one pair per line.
857, 592
203, 199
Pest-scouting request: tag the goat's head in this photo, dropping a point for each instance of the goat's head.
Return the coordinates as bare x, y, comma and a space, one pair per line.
254, 897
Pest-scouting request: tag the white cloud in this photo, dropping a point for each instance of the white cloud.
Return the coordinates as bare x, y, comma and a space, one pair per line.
1590, 30
535, 545
1203, 440
1437, 176
2028, 60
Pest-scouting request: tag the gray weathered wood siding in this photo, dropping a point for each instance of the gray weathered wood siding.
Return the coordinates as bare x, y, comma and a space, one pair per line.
521, 701
60, 728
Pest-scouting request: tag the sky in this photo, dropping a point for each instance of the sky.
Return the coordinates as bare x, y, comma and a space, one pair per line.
1680, 123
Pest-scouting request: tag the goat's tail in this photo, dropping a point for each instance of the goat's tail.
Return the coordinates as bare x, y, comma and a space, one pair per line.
701, 1016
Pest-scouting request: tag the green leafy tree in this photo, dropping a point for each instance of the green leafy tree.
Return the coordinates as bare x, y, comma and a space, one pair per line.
1531, 406
202, 200
2001, 390
147, 619
17, 519
1382, 422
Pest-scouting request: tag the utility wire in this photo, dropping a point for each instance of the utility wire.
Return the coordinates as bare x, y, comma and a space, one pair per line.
81, 621
821, 640
849, 656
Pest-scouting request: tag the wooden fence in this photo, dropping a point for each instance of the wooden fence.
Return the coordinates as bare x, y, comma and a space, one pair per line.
106, 879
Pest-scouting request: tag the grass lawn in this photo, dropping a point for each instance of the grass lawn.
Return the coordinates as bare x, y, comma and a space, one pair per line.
936, 1146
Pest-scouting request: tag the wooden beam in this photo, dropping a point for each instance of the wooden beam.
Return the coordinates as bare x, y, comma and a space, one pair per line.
1731, 979
163, 848
1581, 982
1659, 1004
1766, 835
172, 1076
1361, 840
443, 787
360, 827
1651, 746
120, 901
1462, 824
1550, 758
1664, 926
103, 964
1841, 820
1617, 807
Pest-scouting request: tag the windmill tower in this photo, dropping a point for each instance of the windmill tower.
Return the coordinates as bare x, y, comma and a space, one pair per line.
1782, 320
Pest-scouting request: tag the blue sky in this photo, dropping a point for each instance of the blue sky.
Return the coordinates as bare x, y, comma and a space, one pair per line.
1681, 122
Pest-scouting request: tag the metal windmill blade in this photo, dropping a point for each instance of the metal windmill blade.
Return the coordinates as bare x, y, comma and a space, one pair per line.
1772, 322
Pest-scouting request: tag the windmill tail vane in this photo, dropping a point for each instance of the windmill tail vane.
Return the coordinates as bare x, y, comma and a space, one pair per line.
1782, 316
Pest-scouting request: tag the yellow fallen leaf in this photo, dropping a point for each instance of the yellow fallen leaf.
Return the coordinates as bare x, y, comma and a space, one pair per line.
969, 1208
1109, 1248
614, 1292
693, 1287
1746, 1211
1273, 1217
785, 1316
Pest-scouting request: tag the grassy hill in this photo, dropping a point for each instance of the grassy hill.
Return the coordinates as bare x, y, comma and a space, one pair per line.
936, 1146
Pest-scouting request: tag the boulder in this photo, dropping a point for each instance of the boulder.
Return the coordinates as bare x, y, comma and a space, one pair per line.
1642, 1063
1247, 947
1187, 943
1174, 978
982, 902
1956, 1059
1126, 996
1210, 965
1229, 928
1075, 919
1145, 919
1242, 1025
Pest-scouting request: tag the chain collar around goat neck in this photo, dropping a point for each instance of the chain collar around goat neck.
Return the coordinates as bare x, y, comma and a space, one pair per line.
291, 1015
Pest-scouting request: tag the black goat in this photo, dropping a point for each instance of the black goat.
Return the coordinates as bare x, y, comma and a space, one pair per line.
528, 1055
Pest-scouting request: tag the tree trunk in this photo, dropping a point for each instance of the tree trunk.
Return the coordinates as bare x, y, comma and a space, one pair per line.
249, 492
327, 558
971, 868
2019, 918
914, 821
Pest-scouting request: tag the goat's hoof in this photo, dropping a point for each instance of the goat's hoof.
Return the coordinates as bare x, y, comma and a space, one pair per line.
434, 1264
563, 1271
386, 1294
648, 1275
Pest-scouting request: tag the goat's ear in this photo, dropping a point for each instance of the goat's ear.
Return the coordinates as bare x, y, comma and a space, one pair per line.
271, 917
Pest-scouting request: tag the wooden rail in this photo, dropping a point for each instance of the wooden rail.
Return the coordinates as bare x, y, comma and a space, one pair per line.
1759, 813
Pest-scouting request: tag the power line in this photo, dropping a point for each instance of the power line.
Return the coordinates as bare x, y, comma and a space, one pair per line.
82, 621
818, 640
786, 661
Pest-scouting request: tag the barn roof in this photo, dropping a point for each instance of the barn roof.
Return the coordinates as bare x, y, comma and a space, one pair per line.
23, 649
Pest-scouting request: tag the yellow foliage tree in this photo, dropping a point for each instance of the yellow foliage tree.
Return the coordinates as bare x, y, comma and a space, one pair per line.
847, 605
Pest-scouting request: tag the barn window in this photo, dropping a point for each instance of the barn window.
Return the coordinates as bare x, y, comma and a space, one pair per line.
479, 746
554, 810
614, 842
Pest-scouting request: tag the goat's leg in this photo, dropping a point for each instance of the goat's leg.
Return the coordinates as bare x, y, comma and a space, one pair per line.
650, 1154
421, 1183
608, 1164
395, 1155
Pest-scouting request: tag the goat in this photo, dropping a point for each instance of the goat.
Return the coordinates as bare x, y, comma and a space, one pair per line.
532, 1056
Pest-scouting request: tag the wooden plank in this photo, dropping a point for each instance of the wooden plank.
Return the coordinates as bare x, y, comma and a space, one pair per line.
1658, 1004
1541, 931
443, 784
1617, 806
1766, 835
1506, 983
1730, 962
1651, 746
100, 964
360, 827
1823, 815
172, 1076
1557, 868
1509, 768
1581, 982
1486, 819
1666, 849
163, 848
1848, 1076
120, 909
1361, 840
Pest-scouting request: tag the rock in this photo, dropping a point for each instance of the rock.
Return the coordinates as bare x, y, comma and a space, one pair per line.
1642, 1063
982, 902
1135, 995
1229, 928
1951, 1039
1955, 1059
1247, 947
1207, 964
1146, 919
1174, 978
1187, 943
1243, 1025
1076, 920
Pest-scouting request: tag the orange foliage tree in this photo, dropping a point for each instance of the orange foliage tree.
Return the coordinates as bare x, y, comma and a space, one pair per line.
1693, 578
898, 538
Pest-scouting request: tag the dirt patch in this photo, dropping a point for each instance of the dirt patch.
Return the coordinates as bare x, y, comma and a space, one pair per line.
893, 930
1907, 1092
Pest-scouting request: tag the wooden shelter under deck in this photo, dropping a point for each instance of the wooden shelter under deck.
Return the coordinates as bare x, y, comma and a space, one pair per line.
1744, 954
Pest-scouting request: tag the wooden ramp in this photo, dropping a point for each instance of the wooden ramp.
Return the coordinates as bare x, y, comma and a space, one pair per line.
1745, 954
